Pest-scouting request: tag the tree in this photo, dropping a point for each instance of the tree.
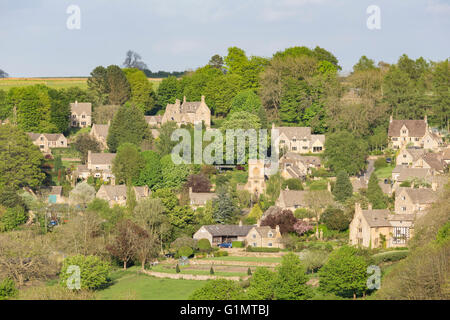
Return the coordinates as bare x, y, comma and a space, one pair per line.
220, 289
182, 218
94, 272
334, 219
301, 227
104, 114
317, 201
375, 194
119, 87
216, 61
128, 125
98, 85
134, 60
345, 273
292, 184
441, 82
123, 246
220, 91
174, 174
290, 283
283, 218
168, 91
142, 94
146, 245
343, 151
20, 160
255, 214
241, 120
82, 194
127, 164
151, 173
84, 143
364, 64
224, 208
198, 183
343, 188
11, 218
164, 144
167, 197
204, 245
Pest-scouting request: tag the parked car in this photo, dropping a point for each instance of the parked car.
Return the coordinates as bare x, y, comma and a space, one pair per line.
169, 255
388, 160
225, 245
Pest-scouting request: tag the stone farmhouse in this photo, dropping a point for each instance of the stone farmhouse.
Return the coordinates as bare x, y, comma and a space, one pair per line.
117, 195
253, 235
415, 200
98, 165
188, 112
81, 114
291, 199
199, 199
296, 166
432, 161
100, 133
407, 156
48, 141
413, 133
154, 121
379, 228
299, 140
405, 174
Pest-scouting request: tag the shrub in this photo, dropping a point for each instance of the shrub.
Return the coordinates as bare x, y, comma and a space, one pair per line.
185, 252
380, 163
292, 184
211, 271
390, 256
177, 269
249, 271
204, 245
94, 272
237, 244
7, 289
334, 219
314, 260
220, 254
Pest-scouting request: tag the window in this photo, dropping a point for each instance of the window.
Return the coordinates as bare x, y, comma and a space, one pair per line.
254, 236
294, 148
269, 244
254, 244
305, 147
401, 235
282, 141
404, 131
403, 208
270, 235
404, 156
294, 140
83, 116
83, 123
403, 198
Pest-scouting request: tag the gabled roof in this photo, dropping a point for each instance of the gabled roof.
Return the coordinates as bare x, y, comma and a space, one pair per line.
293, 198
102, 158
416, 128
406, 174
120, 191
264, 231
190, 107
217, 230
81, 107
415, 153
420, 195
199, 198
152, 119
101, 129
309, 160
434, 160
446, 154
295, 132
377, 218
318, 137
48, 136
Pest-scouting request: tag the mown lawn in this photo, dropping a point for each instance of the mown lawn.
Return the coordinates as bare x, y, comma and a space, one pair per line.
384, 173
133, 285
184, 270
247, 259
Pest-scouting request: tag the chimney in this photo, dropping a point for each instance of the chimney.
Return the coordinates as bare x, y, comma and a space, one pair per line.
109, 122
184, 99
76, 103
277, 228
203, 99
258, 223
391, 119
329, 186
426, 119
240, 223
190, 191
369, 206
357, 207
287, 188
273, 126
89, 156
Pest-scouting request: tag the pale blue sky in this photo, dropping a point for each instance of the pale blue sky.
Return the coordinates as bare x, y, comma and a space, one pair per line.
184, 34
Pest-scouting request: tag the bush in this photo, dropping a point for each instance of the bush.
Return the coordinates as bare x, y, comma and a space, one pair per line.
220, 254
314, 260
262, 249
177, 269
334, 219
389, 256
292, 184
94, 272
380, 163
237, 244
204, 245
185, 252
7, 289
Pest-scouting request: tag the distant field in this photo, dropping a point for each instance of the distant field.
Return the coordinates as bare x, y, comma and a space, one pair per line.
55, 83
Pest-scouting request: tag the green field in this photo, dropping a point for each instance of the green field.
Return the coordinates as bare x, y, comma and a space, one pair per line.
55, 83
133, 285
248, 259
384, 173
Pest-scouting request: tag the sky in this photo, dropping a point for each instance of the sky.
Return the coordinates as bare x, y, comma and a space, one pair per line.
177, 35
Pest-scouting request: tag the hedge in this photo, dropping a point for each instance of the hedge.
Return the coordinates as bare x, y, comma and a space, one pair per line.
220, 254
262, 249
237, 244
390, 256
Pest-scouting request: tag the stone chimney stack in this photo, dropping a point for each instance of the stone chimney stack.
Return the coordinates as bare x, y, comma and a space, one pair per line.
109, 122
329, 186
277, 228
184, 99
89, 156
240, 223
426, 119
370, 207
434, 186
391, 119
357, 207
203, 99
273, 126
258, 223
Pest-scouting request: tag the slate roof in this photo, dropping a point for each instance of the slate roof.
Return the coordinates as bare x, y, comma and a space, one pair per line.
416, 128
228, 230
190, 107
295, 132
81, 107
264, 231
377, 218
102, 158
309, 160
415, 153
101, 129
319, 137
446, 154
49, 136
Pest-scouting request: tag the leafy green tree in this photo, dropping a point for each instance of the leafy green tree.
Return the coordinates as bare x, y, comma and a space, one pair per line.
241, 120
247, 101
164, 144
168, 91
292, 184
220, 91
128, 164
142, 94
94, 272
290, 283
82, 194
334, 219
220, 289
255, 214
375, 194
128, 125
167, 197
11, 218
345, 273
343, 188
119, 87
151, 173
262, 285
204, 245
224, 208
98, 85
441, 103
182, 218
174, 175
84, 143
193, 85
364, 64
343, 151
20, 159
216, 61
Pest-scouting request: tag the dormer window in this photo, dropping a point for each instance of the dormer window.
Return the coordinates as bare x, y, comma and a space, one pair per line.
404, 131
270, 234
